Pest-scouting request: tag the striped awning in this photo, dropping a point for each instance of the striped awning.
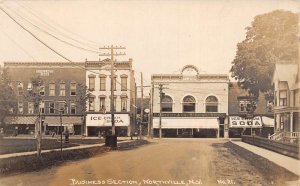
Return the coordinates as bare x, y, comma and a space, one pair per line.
20, 120
66, 121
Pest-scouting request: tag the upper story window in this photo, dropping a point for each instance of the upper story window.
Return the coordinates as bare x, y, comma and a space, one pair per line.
42, 107
29, 86
91, 103
102, 82
102, 104
51, 107
73, 107
51, 89
62, 107
73, 89
30, 107
115, 83
62, 89
92, 82
124, 82
20, 107
20, 88
167, 104
124, 104
282, 98
42, 90
189, 104
211, 104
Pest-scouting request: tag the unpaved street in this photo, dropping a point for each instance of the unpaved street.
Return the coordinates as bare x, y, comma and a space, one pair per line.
165, 162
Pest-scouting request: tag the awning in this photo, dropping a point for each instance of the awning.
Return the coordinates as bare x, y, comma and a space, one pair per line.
267, 122
175, 123
20, 120
66, 121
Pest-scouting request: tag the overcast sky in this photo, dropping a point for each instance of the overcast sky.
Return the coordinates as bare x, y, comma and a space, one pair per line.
160, 36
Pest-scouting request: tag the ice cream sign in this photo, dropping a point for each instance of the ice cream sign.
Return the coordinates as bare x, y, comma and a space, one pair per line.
105, 120
239, 122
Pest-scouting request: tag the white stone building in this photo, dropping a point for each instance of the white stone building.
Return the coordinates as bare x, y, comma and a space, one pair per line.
98, 81
194, 105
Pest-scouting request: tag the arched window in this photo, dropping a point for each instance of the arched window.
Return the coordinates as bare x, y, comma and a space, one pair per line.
189, 104
167, 104
211, 104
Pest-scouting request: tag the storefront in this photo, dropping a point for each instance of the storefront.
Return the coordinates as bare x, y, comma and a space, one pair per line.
100, 124
20, 124
239, 125
55, 124
190, 124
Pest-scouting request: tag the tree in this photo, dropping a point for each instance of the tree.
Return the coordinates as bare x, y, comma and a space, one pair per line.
33, 93
82, 98
8, 98
272, 38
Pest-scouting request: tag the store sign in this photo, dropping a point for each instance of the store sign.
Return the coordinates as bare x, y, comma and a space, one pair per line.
190, 115
44, 72
104, 120
239, 122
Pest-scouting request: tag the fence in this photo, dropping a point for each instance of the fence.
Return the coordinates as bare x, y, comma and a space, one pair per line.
287, 149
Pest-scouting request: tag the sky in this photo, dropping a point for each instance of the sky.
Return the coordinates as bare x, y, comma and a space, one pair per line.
160, 36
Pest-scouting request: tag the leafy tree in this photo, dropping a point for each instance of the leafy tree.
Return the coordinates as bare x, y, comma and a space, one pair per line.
82, 97
272, 38
8, 98
33, 94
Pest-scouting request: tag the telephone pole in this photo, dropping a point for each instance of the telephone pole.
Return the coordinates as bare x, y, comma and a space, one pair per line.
112, 83
161, 96
142, 105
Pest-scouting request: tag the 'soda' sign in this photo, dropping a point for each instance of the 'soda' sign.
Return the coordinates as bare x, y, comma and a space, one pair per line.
239, 122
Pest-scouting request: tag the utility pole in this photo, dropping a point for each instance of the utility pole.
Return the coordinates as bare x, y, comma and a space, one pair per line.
142, 105
39, 136
112, 78
160, 110
151, 109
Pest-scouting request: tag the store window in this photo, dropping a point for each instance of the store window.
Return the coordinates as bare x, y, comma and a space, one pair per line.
211, 104
167, 104
189, 104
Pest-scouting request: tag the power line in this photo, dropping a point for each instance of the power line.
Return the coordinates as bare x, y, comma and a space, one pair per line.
34, 35
53, 36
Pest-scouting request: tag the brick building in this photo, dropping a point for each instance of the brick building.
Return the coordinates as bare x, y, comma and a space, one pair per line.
193, 105
238, 108
98, 78
60, 89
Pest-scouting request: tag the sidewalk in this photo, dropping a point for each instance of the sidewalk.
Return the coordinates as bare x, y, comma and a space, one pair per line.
291, 164
4, 156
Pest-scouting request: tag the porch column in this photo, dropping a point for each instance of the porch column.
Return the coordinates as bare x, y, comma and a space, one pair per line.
291, 121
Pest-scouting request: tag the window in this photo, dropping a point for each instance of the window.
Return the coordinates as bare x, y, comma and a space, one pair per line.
30, 107
51, 108
124, 83
42, 107
42, 90
102, 104
62, 107
189, 104
245, 105
73, 89
20, 107
269, 105
166, 104
29, 86
102, 83
51, 89
124, 104
62, 89
73, 108
92, 82
115, 83
211, 104
283, 98
91, 104
20, 88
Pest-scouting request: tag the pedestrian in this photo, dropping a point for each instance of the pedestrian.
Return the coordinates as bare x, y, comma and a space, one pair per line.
16, 131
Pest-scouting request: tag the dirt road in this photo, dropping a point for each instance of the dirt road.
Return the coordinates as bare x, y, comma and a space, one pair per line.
165, 162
